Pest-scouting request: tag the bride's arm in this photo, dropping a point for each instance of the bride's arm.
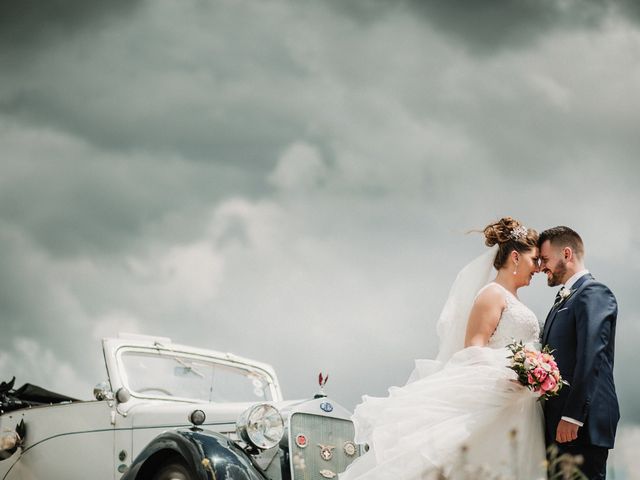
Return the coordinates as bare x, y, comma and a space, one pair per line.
484, 317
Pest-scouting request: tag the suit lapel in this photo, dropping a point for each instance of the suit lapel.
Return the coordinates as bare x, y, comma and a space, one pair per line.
554, 310
547, 323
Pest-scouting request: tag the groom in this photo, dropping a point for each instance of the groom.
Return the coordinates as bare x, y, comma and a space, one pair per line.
581, 328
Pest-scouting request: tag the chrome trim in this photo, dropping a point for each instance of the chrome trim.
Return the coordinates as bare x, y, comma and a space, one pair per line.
273, 389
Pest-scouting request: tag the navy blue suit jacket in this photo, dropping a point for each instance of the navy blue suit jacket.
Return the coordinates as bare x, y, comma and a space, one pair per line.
581, 329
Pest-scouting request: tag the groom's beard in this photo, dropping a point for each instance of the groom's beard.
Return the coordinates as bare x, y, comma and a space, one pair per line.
556, 276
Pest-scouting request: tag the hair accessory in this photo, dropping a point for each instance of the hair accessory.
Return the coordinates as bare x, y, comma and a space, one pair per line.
518, 233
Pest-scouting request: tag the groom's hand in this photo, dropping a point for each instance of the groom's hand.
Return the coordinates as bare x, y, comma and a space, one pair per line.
566, 432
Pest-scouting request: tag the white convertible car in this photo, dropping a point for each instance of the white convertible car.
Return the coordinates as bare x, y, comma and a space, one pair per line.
173, 412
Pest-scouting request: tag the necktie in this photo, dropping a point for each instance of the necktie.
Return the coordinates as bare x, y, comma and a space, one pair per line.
559, 295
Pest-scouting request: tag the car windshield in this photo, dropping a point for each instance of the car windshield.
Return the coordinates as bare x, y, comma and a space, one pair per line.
166, 374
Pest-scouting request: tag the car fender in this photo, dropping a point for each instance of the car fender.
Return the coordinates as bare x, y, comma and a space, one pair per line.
210, 456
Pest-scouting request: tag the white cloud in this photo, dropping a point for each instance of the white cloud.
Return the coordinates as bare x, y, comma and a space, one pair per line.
552, 91
300, 168
32, 362
113, 323
192, 272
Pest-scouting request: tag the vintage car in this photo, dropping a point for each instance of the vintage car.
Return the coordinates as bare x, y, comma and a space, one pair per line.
173, 412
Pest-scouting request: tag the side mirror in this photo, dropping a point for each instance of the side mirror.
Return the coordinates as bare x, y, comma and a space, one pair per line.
123, 395
102, 392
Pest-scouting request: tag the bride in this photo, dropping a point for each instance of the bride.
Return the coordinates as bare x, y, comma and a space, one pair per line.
465, 410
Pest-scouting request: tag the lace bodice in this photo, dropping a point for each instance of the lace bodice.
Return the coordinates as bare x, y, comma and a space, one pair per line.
516, 322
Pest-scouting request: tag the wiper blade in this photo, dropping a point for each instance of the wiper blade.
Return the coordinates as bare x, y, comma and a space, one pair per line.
180, 361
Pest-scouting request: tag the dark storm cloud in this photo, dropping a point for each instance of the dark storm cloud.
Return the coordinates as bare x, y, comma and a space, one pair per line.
506, 23
197, 128
110, 203
124, 87
31, 24
485, 27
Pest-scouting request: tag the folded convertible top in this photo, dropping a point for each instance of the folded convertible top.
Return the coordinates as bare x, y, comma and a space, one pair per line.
27, 395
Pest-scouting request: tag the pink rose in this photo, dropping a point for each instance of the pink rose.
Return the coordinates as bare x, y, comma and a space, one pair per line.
540, 374
549, 384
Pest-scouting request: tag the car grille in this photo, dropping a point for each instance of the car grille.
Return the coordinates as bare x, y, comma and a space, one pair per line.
331, 433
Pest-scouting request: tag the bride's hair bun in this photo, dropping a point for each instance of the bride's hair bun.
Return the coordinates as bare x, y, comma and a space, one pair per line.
509, 234
500, 231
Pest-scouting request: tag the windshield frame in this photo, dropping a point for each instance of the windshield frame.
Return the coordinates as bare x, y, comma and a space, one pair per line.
168, 352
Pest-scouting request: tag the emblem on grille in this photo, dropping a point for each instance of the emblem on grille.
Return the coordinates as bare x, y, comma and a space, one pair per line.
326, 407
350, 448
327, 474
301, 440
326, 452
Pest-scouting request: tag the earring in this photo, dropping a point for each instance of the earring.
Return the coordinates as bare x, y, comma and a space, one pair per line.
515, 270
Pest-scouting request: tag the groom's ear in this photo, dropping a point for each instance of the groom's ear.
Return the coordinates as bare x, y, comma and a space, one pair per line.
567, 254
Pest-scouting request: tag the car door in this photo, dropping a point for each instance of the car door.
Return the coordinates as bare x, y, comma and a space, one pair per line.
72, 441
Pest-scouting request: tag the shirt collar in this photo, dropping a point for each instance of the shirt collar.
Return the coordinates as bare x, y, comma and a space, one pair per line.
574, 278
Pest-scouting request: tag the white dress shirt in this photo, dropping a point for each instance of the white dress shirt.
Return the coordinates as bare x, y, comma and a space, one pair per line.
575, 277
568, 284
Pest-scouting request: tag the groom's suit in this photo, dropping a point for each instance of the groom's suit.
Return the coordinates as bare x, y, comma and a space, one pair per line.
581, 329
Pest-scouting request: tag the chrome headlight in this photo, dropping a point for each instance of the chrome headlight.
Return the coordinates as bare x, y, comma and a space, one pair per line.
261, 426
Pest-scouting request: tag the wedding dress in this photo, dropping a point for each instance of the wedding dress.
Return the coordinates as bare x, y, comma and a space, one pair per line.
462, 411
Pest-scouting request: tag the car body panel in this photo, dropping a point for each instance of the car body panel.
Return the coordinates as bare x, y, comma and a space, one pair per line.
55, 434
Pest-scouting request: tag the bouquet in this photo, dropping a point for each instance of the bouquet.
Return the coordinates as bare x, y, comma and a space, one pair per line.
536, 369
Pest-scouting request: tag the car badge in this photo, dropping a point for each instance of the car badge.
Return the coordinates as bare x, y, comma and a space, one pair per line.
327, 474
301, 440
349, 448
326, 407
326, 452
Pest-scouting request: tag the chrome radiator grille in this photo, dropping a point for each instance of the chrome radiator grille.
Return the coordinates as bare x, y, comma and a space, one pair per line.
321, 432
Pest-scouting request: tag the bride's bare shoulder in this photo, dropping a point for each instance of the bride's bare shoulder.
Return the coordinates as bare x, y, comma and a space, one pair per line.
485, 315
490, 295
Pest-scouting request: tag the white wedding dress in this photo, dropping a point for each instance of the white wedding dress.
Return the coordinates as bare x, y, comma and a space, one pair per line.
457, 412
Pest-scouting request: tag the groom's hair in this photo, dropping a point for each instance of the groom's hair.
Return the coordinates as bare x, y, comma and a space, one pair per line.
563, 237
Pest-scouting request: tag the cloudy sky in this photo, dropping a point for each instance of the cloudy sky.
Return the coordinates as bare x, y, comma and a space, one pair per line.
292, 180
